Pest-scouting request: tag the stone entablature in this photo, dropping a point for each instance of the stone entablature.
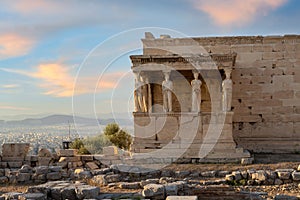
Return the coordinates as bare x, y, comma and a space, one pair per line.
187, 62
212, 41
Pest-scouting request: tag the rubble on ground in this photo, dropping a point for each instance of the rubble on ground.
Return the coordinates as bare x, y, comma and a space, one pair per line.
66, 175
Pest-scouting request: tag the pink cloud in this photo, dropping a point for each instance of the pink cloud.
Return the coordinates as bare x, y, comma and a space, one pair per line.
236, 12
110, 80
13, 45
91, 84
56, 78
34, 6
6, 107
58, 81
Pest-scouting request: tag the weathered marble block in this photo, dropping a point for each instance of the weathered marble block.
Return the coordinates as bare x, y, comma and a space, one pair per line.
66, 152
14, 151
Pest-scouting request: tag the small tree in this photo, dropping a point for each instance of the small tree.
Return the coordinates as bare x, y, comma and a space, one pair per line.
78, 144
117, 136
96, 143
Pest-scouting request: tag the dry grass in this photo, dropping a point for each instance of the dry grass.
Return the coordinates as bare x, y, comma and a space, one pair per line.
14, 188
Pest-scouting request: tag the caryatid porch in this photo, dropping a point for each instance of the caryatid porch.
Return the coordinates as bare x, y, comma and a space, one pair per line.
183, 106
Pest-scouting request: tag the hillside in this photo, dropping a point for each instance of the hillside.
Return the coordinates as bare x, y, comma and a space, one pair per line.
63, 119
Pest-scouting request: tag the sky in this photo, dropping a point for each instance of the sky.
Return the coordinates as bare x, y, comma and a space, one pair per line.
72, 57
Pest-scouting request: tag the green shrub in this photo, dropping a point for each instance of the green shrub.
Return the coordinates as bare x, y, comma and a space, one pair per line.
78, 144
83, 151
117, 136
113, 135
95, 144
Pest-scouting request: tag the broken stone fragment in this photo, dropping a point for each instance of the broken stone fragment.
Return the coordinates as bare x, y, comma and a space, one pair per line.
44, 153
153, 190
91, 165
35, 196
284, 175
87, 192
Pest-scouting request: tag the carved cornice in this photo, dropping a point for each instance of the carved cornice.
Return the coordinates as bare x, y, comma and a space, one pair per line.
178, 114
217, 59
163, 114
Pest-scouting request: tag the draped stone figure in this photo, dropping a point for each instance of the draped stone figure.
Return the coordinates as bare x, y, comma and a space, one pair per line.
196, 93
167, 87
227, 92
149, 103
138, 96
144, 94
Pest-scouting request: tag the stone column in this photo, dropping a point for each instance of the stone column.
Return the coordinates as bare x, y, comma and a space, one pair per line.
227, 91
196, 93
144, 93
149, 105
167, 87
138, 97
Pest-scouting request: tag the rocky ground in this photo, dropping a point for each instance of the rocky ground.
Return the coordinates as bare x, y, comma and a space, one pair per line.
271, 191
256, 181
231, 166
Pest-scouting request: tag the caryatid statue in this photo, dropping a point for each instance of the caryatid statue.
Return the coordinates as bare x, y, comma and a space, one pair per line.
196, 93
149, 95
227, 91
138, 96
144, 90
167, 87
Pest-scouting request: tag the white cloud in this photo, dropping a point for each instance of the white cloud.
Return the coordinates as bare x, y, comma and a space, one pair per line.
10, 86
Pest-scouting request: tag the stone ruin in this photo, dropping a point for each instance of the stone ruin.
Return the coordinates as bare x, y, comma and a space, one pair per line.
66, 175
18, 167
212, 99
56, 172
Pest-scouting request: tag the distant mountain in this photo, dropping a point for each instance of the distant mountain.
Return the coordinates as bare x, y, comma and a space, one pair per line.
24, 116
64, 119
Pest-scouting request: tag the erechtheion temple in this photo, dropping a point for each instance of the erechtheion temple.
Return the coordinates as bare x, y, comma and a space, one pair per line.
217, 98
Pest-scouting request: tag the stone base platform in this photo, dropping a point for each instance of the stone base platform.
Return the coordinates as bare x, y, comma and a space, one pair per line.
205, 137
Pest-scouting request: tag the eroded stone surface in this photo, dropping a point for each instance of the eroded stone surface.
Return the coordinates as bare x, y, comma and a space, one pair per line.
66, 190
32, 196
182, 198
87, 192
14, 151
153, 190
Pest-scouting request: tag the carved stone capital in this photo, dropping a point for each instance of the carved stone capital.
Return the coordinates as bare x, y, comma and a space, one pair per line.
228, 72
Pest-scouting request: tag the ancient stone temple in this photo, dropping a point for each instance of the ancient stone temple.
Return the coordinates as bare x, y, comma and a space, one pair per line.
215, 98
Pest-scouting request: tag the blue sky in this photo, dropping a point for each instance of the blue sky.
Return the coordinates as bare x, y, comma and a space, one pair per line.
45, 45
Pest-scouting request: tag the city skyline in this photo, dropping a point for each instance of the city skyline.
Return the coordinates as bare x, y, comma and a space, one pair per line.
62, 57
